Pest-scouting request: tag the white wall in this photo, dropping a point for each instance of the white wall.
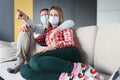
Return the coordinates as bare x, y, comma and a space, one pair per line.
108, 11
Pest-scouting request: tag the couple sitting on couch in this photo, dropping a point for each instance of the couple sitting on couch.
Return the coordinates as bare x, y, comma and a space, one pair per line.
59, 60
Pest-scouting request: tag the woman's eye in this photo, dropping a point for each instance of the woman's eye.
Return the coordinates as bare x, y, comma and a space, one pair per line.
55, 15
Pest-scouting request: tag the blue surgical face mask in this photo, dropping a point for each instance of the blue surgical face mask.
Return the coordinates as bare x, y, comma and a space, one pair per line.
44, 19
54, 20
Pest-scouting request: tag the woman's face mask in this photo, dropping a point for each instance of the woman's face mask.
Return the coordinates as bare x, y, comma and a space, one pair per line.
44, 19
54, 20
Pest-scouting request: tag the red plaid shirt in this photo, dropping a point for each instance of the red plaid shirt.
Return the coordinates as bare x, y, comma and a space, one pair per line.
64, 36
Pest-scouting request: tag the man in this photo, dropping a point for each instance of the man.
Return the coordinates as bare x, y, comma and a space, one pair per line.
9, 49
26, 44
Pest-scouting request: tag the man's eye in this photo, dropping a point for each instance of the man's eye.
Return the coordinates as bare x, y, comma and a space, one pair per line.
41, 15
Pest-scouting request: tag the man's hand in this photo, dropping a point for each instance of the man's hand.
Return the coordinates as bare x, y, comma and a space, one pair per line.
24, 28
21, 15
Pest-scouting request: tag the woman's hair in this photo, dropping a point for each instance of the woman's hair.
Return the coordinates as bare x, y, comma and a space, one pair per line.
59, 10
44, 9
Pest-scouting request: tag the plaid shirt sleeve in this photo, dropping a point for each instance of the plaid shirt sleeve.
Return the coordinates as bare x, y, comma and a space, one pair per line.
68, 39
41, 38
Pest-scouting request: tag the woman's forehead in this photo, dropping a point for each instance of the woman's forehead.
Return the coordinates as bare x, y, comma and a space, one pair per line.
53, 11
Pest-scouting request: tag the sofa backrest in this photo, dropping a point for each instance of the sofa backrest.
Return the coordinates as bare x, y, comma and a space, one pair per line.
86, 39
107, 48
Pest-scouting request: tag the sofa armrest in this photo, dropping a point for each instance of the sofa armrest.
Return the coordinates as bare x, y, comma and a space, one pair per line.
107, 48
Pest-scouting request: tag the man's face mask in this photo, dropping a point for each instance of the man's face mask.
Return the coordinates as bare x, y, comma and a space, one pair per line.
44, 19
54, 20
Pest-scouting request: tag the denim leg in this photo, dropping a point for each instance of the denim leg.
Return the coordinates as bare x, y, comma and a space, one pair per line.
51, 64
29, 74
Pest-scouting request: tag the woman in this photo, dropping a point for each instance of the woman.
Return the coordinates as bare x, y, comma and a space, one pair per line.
59, 58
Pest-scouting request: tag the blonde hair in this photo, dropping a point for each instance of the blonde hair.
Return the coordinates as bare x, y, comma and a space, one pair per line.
59, 10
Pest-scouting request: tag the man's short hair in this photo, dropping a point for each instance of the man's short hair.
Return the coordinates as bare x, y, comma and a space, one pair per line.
45, 9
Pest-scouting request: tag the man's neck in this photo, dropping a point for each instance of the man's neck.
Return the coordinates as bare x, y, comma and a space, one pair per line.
44, 25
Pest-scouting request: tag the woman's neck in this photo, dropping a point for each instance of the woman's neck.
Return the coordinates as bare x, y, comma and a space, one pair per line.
54, 26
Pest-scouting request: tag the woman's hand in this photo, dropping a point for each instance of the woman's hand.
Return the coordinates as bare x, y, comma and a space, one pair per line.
21, 15
24, 28
43, 50
48, 48
52, 35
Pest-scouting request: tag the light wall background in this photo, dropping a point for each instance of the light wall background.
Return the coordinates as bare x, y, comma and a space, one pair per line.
108, 12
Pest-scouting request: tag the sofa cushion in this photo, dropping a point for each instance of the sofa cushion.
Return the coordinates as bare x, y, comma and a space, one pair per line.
4, 43
107, 48
7, 53
106, 76
86, 38
7, 50
8, 76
